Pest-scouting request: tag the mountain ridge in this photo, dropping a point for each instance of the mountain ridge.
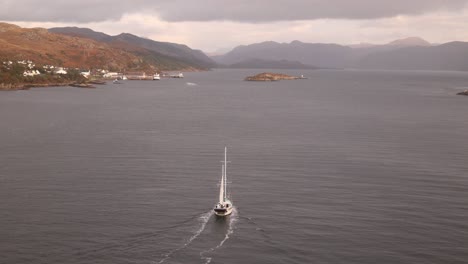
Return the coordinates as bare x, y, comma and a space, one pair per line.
44, 47
317, 54
412, 53
85, 48
180, 55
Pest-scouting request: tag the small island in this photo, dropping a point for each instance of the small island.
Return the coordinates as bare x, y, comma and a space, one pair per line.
268, 76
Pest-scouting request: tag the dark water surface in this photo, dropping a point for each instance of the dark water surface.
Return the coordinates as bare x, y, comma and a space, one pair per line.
345, 167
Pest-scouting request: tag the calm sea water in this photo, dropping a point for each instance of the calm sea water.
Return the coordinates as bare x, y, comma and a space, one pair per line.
344, 167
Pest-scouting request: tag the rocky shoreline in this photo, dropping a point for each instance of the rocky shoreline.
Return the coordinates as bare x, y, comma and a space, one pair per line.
269, 76
27, 86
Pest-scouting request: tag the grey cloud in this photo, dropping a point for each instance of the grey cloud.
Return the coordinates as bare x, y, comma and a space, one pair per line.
211, 10
68, 11
267, 10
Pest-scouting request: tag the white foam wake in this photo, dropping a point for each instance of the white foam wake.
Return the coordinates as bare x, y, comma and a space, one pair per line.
232, 221
203, 219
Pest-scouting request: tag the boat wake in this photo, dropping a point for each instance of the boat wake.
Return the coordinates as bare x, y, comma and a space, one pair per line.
221, 226
233, 218
191, 84
203, 219
128, 244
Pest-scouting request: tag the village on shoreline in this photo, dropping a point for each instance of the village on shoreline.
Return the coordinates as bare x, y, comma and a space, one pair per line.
25, 74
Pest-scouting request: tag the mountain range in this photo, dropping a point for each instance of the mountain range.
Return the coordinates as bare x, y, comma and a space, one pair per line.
162, 54
403, 54
85, 48
43, 47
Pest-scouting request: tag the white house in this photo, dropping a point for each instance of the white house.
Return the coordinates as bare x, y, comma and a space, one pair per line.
111, 75
86, 74
31, 73
61, 71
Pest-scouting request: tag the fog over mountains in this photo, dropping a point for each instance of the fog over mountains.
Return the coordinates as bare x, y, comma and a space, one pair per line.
404, 54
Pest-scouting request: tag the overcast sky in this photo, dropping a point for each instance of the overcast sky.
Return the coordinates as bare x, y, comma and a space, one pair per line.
213, 25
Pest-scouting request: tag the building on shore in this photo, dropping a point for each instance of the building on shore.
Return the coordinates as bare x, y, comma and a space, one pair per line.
138, 76
111, 75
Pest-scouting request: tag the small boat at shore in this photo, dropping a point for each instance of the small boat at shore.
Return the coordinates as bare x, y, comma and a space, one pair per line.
224, 206
156, 77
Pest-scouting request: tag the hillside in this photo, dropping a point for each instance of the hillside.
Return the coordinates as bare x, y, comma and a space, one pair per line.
44, 47
165, 55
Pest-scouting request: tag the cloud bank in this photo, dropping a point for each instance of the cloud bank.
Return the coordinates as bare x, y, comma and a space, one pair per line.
289, 10
257, 11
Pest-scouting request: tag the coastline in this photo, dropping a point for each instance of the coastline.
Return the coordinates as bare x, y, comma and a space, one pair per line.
27, 86
78, 84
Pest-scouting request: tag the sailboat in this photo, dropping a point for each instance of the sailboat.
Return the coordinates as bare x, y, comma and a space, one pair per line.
224, 206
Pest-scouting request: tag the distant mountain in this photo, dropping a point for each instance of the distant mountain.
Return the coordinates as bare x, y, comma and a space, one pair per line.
362, 51
399, 43
404, 54
450, 56
410, 42
362, 45
44, 47
163, 54
270, 64
322, 55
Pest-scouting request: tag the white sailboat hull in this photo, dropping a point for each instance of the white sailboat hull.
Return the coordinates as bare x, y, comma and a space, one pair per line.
223, 213
223, 209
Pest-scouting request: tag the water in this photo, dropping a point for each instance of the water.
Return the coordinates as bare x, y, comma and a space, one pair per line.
344, 167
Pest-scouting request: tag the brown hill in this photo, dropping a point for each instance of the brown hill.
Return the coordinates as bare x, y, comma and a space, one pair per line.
164, 55
44, 47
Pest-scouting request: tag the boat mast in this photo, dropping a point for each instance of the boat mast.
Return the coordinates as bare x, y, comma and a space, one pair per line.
225, 174
221, 189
